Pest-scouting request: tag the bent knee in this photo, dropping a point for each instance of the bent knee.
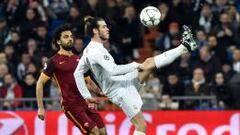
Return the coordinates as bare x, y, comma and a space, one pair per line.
142, 126
149, 60
103, 131
149, 63
95, 131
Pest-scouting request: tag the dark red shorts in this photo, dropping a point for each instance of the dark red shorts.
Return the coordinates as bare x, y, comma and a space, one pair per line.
83, 118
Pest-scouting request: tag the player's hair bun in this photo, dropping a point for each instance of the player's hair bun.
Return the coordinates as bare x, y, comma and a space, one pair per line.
87, 22
88, 19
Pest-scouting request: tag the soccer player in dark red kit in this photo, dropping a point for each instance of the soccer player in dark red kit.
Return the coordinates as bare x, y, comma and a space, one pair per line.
61, 67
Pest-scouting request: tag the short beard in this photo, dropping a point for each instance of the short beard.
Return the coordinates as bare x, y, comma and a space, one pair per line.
67, 48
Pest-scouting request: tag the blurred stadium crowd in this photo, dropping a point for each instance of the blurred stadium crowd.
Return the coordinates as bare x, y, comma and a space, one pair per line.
26, 27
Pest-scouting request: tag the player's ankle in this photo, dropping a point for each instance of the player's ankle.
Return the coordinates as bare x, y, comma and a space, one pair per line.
187, 46
182, 49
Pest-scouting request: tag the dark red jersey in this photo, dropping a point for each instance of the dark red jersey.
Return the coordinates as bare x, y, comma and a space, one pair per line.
61, 68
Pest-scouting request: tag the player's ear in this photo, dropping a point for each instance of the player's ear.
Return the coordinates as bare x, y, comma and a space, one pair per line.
58, 42
95, 31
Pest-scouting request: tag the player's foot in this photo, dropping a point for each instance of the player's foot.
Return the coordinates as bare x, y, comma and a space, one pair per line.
187, 39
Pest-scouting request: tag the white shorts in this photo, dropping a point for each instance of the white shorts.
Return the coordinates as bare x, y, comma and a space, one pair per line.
128, 97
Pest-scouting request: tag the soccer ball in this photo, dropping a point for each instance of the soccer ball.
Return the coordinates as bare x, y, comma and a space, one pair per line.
150, 16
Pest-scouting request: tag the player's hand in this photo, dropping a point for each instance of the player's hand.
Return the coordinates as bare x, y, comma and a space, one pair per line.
41, 113
92, 103
92, 106
92, 100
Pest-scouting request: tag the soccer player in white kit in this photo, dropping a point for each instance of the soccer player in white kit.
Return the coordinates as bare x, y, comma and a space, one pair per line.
120, 83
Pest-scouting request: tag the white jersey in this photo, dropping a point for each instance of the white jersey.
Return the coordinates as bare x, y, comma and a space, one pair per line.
107, 73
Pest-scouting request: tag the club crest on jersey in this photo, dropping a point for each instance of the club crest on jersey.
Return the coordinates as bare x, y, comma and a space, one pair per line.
86, 124
61, 62
106, 57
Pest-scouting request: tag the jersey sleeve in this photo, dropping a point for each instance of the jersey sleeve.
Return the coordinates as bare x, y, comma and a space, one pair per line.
48, 68
79, 79
107, 62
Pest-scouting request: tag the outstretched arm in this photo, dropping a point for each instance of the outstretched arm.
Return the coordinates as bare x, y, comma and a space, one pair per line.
79, 79
106, 61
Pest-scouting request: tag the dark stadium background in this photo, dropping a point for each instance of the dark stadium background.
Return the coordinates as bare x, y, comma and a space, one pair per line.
207, 79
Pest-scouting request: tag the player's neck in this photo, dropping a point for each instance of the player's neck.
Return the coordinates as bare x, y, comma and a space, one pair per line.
65, 52
97, 39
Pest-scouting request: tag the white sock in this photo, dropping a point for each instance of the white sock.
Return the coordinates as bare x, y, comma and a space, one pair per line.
169, 56
138, 133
